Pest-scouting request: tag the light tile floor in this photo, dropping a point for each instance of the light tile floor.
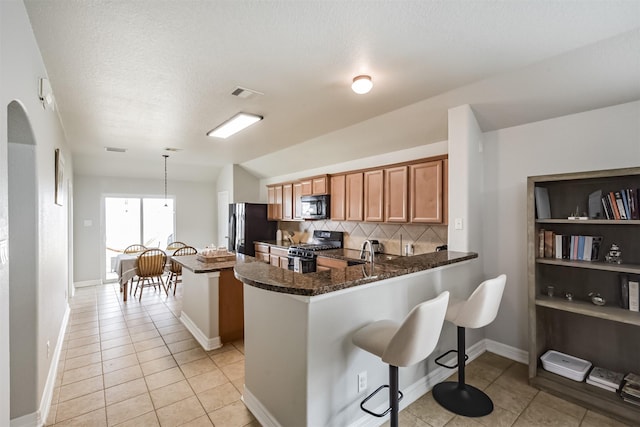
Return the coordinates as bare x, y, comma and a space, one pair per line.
135, 364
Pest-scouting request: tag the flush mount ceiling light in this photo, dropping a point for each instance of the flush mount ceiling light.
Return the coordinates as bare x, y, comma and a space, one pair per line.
234, 125
362, 84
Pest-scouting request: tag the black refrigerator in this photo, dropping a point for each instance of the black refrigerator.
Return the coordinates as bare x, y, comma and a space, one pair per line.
248, 223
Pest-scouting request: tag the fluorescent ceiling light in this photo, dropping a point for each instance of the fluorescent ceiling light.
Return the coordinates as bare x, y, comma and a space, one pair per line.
234, 124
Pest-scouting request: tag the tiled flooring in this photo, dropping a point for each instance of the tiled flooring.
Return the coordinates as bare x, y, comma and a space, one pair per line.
134, 364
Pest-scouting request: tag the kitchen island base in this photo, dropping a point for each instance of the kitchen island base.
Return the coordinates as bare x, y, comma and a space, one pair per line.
212, 307
301, 367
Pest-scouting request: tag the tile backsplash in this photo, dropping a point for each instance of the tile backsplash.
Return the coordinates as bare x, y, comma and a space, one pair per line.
424, 238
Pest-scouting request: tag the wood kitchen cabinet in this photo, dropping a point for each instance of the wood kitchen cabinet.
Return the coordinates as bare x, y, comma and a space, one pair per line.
262, 252
297, 201
315, 186
271, 200
338, 196
374, 195
425, 192
230, 307
274, 200
354, 196
396, 194
278, 257
323, 263
287, 201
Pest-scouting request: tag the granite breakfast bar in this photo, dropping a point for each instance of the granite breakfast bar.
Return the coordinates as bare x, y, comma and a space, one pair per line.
300, 365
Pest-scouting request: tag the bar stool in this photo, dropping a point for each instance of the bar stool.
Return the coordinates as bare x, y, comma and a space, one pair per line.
480, 309
402, 345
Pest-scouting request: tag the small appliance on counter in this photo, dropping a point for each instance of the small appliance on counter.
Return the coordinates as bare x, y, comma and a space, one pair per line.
302, 257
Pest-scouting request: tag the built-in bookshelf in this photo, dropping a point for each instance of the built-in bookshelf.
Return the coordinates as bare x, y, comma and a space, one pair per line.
568, 322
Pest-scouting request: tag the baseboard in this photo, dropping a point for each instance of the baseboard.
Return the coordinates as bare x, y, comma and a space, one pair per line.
507, 351
87, 283
261, 413
206, 342
28, 420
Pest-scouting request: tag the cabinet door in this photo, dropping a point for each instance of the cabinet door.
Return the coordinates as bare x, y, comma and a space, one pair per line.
338, 198
278, 209
322, 261
320, 185
287, 201
353, 200
396, 194
373, 196
271, 200
306, 187
297, 200
425, 190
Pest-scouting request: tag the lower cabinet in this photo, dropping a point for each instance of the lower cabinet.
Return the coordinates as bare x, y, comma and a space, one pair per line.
262, 252
278, 257
231, 311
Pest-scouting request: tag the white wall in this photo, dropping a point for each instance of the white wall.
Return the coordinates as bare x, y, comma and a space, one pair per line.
194, 210
22, 66
600, 139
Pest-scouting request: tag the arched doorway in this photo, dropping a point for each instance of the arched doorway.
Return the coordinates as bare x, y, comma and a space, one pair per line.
23, 262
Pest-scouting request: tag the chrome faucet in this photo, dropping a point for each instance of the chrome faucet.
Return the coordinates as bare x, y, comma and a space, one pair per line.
371, 253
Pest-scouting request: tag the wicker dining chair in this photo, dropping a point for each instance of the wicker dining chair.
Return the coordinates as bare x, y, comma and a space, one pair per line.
150, 266
135, 249
175, 245
175, 269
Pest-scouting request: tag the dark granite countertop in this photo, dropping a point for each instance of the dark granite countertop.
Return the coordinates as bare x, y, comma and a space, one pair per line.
191, 262
265, 276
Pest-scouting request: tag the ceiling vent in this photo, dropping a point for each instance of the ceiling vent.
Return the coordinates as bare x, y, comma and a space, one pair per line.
243, 92
115, 149
175, 150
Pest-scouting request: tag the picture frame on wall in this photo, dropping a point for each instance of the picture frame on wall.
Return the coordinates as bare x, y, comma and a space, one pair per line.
59, 196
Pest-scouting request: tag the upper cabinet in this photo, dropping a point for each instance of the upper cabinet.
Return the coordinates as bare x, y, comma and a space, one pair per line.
274, 200
287, 201
338, 193
411, 192
354, 196
297, 201
396, 194
425, 192
315, 186
374, 196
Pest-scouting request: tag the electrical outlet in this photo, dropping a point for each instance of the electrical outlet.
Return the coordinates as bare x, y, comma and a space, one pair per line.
48, 349
362, 381
458, 223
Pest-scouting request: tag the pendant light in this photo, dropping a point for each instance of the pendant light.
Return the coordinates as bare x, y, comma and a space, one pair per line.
165, 180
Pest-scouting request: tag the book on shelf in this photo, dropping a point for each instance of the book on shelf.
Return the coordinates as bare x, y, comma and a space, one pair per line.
630, 391
595, 208
603, 377
621, 204
599, 385
574, 248
543, 209
624, 291
548, 243
634, 292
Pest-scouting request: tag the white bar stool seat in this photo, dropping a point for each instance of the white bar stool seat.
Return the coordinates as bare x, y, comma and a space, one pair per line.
480, 309
402, 344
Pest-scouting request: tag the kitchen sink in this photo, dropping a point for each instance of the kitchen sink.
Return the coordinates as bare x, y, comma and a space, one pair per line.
351, 262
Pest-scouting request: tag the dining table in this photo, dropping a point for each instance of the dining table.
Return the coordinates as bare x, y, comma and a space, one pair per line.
125, 268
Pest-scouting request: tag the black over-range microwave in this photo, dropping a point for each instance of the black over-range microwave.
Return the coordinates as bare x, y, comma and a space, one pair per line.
315, 207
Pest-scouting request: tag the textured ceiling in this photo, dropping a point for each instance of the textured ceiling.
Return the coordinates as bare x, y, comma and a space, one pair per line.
147, 75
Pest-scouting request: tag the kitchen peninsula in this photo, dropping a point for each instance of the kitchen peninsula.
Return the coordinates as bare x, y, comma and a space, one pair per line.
300, 365
212, 301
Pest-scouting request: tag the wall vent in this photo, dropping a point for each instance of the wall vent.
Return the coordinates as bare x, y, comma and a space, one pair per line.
116, 149
243, 92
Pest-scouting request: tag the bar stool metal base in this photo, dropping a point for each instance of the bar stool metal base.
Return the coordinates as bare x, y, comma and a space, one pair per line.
467, 400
